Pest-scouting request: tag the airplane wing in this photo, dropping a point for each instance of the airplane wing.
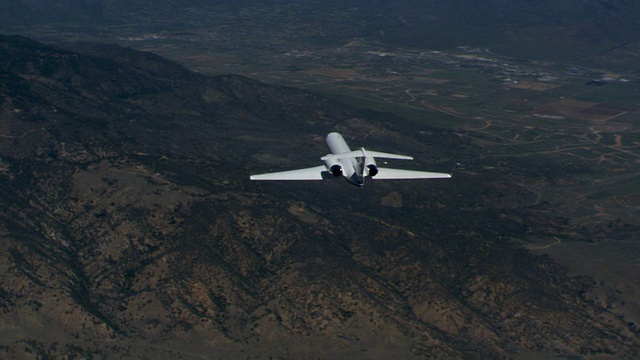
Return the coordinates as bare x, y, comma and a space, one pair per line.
314, 173
390, 174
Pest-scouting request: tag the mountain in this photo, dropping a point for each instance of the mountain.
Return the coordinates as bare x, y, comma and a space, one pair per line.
574, 30
585, 31
129, 228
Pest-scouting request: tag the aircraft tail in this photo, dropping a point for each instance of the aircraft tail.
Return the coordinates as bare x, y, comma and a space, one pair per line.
367, 153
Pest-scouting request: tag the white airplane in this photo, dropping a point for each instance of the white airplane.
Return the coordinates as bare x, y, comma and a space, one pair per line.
354, 166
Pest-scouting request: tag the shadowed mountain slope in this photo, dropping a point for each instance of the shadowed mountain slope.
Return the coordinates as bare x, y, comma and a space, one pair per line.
128, 227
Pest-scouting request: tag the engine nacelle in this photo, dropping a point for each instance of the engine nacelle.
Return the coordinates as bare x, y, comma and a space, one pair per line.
372, 168
335, 168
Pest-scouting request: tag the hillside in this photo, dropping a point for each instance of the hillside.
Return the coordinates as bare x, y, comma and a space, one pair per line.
129, 228
582, 31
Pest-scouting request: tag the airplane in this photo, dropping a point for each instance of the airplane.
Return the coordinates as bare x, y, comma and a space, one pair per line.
354, 166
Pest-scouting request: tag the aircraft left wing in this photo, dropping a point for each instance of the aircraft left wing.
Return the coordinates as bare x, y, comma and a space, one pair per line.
390, 174
314, 173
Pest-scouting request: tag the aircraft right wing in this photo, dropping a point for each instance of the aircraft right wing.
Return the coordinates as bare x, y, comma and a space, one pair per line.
314, 173
391, 174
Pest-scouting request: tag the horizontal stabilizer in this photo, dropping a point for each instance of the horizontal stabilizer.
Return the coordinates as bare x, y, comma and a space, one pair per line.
378, 154
390, 174
362, 153
314, 173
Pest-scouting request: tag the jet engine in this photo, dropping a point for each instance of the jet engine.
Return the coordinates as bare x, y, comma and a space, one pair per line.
334, 167
336, 170
372, 168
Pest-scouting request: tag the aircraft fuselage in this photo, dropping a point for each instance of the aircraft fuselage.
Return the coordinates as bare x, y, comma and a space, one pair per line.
352, 167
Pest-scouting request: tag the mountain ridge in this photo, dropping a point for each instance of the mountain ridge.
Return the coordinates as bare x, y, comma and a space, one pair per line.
129, 226
575, 30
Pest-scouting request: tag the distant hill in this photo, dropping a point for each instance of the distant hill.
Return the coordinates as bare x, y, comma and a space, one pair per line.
536, 29
573, 30
128, 228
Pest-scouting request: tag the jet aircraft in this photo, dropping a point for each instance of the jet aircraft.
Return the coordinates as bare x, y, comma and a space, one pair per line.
354, 166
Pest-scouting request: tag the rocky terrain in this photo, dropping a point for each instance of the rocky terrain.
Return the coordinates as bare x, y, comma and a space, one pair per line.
129, 229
